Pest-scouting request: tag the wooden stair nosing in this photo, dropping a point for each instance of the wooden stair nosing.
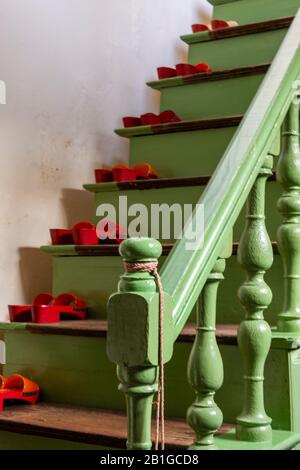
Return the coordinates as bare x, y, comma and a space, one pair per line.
182, 126
226, 334
241, 30
113, 250
159, 183
91, 426
210, 77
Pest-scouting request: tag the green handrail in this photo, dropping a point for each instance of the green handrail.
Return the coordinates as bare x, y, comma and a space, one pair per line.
185, 272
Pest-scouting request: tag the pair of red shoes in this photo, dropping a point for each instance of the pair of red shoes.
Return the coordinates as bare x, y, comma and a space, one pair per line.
141, 171
151, 119
182, 70
213, 25
17, 387
85, 233
48, 309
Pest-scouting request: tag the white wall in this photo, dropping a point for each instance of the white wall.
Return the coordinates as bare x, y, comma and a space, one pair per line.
72, 68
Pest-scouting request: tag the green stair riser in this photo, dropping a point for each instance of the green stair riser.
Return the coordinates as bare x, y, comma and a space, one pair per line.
251, 11
91, 276
85, 377
189, 195
205, 100
16, 441
183, 153
240, 51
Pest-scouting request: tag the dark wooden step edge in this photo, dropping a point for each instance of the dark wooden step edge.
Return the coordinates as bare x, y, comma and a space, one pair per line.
210, 77
226, 334
113, 250
56, 421
160, 183
183, 126
242, 30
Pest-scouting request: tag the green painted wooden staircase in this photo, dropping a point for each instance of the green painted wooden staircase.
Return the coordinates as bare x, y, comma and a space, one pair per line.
221, 153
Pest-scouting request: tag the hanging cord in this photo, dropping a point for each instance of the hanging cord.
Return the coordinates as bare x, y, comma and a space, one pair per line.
160, 409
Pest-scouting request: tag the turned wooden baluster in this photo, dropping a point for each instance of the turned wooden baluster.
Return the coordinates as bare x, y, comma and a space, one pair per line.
288, 175
132, 339
254, 337
205, 367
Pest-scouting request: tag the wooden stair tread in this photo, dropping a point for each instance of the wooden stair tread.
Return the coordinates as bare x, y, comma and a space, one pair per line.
242, 30
210, 77
113, 250
160, 183
91, 426
226, 334
182, 126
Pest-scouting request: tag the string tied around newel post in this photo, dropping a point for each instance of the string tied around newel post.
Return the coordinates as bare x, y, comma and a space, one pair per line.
151, 268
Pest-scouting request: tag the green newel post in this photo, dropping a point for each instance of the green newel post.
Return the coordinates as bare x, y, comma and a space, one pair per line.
288, 175
133, 337
205, 367
254, 336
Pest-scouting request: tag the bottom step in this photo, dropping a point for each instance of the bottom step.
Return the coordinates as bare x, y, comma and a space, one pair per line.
107, 429
85, 425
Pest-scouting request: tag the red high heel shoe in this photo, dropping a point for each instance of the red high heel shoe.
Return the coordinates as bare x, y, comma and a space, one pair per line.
19, 388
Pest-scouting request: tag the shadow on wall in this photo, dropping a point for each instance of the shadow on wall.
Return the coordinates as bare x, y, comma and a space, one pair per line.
78, 205
35, 272
36, 266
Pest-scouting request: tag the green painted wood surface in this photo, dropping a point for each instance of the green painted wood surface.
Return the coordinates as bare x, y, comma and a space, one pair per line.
205, 367
234, 52
133, 340
225, 195
288, 174
205, 100
250, 11
254, 334
15, 441
181, 154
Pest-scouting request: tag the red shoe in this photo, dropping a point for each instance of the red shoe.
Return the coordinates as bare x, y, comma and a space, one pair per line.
166, 72
144, 171
17, 387
168, 116
129, 121
150, 119
70, 306
121, 172
221, 24
111, 233
188, 69
199, 28
23, 313
215, 24
104, 176
47, 309
61, 236
84, 233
